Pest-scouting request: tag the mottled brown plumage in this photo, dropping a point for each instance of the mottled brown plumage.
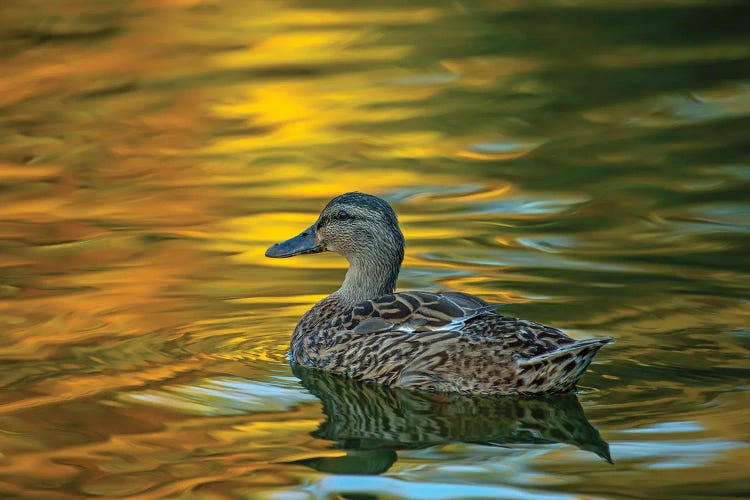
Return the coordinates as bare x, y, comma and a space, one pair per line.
442, 342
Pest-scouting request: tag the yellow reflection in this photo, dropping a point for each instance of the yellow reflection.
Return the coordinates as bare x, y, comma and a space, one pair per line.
303, 299
317, 454
362, 17
485, 70
509, 155
270, 427
302, 114
14, 172
309, 46
307, 182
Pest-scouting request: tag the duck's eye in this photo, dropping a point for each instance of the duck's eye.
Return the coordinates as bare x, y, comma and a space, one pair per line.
343, 215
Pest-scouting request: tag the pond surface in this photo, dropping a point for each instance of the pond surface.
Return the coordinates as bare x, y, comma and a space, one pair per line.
585, 163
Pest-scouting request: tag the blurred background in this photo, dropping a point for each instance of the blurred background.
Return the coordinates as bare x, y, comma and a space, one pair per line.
585, 162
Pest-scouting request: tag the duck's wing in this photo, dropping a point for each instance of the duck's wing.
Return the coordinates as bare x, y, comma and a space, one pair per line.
414, 311
456, 312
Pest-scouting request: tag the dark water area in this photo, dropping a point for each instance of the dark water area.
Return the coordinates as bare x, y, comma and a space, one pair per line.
585, 163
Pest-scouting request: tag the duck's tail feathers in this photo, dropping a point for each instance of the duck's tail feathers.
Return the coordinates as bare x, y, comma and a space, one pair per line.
559, 370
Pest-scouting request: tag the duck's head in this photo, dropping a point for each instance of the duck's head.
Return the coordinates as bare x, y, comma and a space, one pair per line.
358, 226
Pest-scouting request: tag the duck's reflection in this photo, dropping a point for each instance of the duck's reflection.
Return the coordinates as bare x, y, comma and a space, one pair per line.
370, 422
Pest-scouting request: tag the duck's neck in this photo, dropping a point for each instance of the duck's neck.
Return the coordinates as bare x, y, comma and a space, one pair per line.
370, 275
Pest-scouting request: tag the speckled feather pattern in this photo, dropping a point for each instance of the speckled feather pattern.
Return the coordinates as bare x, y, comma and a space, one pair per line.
450, 342
439, 342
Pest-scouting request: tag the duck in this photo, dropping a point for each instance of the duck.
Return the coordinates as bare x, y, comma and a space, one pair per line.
446, 342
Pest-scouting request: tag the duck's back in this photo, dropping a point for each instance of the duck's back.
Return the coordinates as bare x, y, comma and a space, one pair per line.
444, 342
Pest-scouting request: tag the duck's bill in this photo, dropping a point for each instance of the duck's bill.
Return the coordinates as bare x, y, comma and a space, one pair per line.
300, 244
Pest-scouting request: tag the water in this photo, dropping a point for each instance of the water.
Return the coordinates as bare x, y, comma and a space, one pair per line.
586, 163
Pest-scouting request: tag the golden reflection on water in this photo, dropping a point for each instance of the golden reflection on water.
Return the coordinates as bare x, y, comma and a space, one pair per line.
152, 150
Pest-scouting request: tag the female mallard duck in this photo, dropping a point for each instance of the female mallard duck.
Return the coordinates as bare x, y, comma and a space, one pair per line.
444, 342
